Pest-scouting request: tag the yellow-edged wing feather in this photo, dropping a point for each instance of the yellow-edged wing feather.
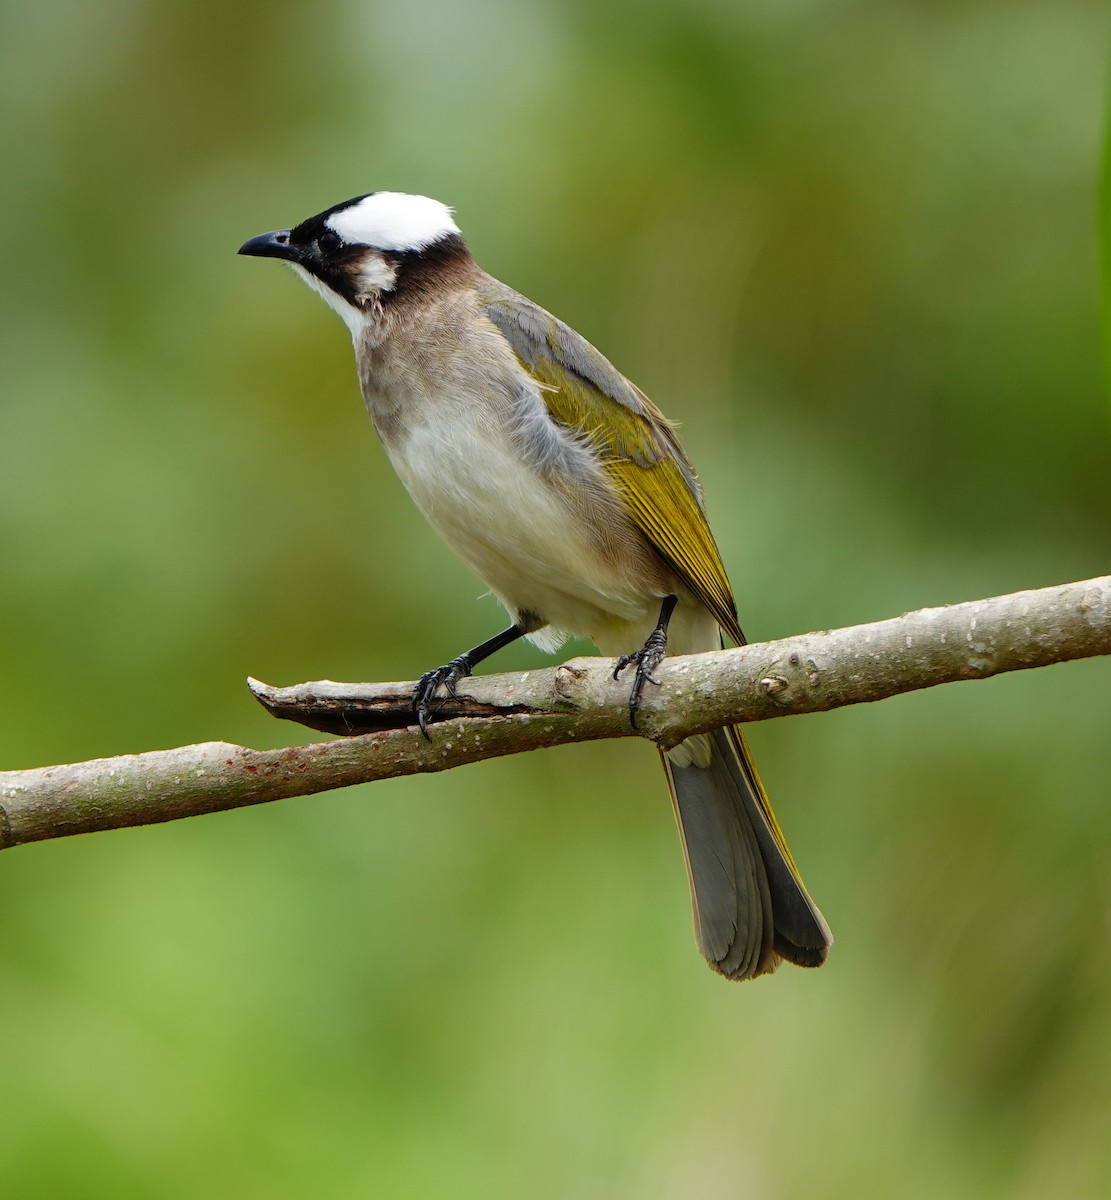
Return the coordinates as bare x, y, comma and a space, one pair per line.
636, 443
642, 455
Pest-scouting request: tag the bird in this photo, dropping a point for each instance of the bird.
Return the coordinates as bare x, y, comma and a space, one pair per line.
568, 493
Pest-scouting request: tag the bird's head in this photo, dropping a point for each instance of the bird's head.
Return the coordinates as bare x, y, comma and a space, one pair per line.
362, 251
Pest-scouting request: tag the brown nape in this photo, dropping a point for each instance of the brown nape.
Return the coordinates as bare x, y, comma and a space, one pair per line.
446, 262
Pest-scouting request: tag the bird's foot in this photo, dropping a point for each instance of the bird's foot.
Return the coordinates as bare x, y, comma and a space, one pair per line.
647, 660
431, 681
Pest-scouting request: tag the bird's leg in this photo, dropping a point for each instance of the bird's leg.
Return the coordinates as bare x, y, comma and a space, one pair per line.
451, 673
648, 658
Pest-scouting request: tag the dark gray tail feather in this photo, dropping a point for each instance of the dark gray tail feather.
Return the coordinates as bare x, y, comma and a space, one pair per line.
750, 906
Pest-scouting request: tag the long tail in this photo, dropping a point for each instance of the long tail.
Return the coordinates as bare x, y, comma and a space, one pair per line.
750, 906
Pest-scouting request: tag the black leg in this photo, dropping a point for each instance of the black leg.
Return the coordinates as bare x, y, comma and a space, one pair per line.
459, 668
648, 658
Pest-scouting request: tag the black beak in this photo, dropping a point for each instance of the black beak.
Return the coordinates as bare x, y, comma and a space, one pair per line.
270, 245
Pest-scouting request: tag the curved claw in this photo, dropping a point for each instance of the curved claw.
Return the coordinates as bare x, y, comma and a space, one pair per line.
424, 693
647, 660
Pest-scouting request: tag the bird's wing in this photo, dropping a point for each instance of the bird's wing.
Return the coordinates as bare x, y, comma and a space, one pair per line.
591, 399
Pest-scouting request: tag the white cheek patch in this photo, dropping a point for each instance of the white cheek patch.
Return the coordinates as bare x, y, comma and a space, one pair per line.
374, 274
393, 221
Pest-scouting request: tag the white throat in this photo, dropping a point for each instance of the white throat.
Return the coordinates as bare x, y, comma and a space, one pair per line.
393, 221
356, 319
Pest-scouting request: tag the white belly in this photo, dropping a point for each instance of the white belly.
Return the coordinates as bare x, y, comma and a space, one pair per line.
536, 550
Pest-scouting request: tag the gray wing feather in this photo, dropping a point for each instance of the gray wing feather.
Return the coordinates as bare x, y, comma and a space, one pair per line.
533, 333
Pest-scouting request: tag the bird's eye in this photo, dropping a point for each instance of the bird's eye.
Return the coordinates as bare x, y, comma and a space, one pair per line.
328, 242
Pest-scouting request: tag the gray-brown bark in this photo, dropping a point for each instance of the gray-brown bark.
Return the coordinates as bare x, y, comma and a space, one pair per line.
578, 701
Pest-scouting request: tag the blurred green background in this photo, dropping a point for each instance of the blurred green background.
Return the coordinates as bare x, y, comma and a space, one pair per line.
853, 248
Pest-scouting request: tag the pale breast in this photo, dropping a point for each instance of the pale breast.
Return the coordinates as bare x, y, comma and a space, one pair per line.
525, 505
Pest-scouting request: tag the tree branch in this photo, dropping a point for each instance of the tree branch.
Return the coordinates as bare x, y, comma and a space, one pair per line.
578, 701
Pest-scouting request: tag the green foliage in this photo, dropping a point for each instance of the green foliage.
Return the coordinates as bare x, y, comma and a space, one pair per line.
853, 249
